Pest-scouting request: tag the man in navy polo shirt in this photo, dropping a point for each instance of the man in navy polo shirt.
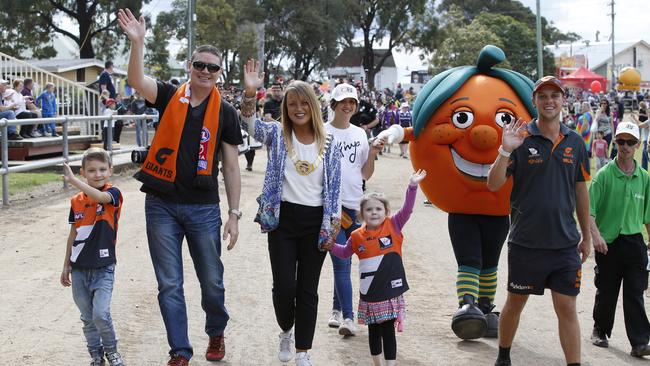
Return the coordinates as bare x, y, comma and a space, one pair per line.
549, 166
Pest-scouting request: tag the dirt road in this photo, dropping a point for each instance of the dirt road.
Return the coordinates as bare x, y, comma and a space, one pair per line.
39, 323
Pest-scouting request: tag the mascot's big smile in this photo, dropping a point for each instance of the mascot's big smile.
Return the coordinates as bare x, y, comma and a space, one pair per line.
472, 170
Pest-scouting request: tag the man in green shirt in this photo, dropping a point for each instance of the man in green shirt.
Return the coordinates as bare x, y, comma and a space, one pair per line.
620, 206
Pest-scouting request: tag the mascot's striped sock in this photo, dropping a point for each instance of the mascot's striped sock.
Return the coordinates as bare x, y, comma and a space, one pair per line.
488, 284
467, 282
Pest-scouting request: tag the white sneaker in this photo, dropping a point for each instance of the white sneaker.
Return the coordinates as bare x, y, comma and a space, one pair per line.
302, 359
335, 319
347, 328
286, 351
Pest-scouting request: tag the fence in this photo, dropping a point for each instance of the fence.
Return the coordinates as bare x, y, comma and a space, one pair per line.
64, 121
72, 98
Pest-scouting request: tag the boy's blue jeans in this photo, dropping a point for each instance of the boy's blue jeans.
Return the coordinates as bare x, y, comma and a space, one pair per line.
342, 299
92, 290
200, 224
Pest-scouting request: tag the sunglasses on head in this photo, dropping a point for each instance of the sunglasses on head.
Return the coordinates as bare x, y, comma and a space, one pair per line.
200, 66
628, 142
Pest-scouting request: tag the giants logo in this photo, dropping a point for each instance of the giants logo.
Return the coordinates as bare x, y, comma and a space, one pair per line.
162, 155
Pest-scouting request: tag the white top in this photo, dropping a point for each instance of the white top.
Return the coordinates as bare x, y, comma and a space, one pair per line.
11, 98
352, 145
303, 189
107, 113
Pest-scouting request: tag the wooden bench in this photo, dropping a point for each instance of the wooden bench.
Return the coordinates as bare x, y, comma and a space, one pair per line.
28, 149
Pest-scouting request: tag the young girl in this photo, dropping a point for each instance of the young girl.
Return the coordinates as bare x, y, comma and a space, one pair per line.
378, 244
299, 206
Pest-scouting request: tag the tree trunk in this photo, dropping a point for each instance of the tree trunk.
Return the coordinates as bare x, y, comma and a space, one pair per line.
85, 24
368, 65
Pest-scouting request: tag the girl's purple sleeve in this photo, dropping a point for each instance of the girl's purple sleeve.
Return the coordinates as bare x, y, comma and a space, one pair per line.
404, 213
343, 251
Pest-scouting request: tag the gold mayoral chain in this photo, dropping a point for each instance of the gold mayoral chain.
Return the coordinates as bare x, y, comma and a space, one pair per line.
303, 167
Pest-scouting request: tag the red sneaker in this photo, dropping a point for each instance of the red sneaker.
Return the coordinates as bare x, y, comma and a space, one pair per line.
216, 349
178, 360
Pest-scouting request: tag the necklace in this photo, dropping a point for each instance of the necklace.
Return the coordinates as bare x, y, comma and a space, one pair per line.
304, 167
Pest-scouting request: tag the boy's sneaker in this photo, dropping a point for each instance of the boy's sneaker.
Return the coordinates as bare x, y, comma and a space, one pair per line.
97, 361
285, 353
335, 319
114, 359
347, 328
302, 359
178, 360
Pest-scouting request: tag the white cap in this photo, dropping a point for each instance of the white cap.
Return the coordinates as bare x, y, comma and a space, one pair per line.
405, 104
343, 91
629, 128
3, 81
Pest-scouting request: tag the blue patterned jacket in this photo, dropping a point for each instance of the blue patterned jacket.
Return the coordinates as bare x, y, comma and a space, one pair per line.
268, 214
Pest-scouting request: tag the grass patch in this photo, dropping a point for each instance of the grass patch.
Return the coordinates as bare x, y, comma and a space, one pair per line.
20, 182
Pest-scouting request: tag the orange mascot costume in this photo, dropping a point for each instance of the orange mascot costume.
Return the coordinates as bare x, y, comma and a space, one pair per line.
458, 119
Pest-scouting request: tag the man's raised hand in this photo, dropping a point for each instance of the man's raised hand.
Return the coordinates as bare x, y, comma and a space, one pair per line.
134, 28
513, 135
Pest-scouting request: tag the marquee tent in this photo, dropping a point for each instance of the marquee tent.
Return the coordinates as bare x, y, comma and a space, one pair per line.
582, 78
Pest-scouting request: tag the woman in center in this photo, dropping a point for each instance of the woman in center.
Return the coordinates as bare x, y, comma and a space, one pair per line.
299, 206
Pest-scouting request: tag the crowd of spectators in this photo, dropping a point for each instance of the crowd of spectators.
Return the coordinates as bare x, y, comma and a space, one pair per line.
596, 115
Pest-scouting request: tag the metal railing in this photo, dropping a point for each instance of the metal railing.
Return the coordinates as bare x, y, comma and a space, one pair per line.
66, 158
72, 98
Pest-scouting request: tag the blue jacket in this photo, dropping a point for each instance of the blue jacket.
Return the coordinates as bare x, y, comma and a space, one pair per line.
47, 101
268, 214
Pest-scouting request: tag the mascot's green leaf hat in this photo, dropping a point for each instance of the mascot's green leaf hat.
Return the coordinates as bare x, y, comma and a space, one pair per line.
445, 84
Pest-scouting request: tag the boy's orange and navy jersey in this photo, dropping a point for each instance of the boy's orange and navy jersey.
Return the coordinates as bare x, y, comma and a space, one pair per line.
96, 226
380, 262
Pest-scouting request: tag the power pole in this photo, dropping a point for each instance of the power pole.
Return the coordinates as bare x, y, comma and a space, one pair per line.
540, 62
190, 31
613, 54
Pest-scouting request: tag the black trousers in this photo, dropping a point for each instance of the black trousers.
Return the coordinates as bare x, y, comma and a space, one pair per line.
296, 264
626, 261
250, 156
477, 239
383, 333
26, 130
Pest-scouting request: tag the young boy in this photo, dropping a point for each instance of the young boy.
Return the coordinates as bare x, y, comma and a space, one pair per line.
89, 264
599, 150
47, 102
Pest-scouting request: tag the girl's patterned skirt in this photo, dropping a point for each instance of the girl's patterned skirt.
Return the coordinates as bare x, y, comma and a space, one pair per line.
379, 312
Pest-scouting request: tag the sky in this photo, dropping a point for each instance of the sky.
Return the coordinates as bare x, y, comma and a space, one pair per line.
584, 17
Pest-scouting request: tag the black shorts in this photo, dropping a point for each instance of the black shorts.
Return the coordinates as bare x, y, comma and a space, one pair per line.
530, 271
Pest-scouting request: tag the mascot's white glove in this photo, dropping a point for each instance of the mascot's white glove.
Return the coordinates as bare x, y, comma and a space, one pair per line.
394, 133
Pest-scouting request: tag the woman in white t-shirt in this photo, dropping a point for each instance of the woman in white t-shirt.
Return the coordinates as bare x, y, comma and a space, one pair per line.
299, 206
357, 165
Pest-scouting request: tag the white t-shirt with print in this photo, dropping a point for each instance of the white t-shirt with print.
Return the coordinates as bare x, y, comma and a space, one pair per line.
352, 145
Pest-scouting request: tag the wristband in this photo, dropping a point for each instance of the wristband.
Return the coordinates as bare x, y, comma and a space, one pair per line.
503, 153
248, 106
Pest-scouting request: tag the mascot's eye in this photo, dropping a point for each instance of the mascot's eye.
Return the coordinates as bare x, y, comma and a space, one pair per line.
462, 119
504, 118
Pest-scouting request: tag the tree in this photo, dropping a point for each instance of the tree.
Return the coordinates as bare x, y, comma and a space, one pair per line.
377, 19
511, 22
157, 56
462, 46
96, 24
307, 33
512, 8
15, 41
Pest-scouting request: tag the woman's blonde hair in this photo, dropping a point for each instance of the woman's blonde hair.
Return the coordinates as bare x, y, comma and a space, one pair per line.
305, 92
643, 104
374, 196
